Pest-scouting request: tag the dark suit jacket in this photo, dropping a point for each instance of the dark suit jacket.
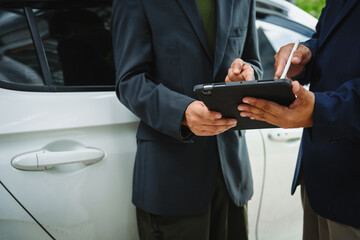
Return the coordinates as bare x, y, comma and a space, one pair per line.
330, 151
161, 52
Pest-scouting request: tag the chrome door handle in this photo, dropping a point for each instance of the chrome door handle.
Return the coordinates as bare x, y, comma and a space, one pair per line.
46, 159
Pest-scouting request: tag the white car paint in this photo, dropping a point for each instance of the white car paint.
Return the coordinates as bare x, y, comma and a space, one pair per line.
79, 201
296, 14
72, 201
274, 214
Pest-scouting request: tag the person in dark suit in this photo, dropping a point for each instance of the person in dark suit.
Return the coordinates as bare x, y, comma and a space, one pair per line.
328, 163
192, 177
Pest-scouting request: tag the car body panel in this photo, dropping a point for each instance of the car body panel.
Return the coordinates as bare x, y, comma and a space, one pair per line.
273, 154
79, 201
15, 222
72, 201
279, 36
296, 14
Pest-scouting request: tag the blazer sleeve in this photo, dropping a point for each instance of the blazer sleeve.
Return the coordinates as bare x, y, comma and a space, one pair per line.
251, 53
312, 44
336, 114
136, 84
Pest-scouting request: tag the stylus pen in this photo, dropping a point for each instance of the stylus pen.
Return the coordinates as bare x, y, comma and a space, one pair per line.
288, 63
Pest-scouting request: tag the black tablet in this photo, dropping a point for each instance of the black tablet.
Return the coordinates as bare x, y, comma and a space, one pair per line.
225, 98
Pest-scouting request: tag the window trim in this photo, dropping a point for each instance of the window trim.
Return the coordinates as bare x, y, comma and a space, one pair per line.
39, 48
289, 24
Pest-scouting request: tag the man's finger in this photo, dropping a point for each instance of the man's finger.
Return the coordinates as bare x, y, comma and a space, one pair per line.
262, 117
303, 95
232, 77
218, 122
213, 118
302, 55
281, 58
298, 90
237, 66
279, 67
297, 57
248, 72
253, 116
211, 130
258, 105
217, 128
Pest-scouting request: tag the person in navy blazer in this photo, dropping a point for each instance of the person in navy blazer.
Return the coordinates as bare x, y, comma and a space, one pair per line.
184, 151
329, 158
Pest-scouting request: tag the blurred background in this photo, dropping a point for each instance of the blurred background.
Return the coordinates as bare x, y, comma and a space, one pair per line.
313, 7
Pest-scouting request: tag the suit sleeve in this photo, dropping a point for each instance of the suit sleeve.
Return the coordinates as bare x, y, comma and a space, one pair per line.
336, 114
312, 44
136, 84
251, 48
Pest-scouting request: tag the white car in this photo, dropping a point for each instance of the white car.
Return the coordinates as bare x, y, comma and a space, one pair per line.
273, 213
68, 145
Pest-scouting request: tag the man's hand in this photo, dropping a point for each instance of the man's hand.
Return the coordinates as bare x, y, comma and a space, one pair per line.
203, 122
298, 114
300, 58
239, 71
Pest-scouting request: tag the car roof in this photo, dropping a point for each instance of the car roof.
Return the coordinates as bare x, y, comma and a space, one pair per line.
286, 10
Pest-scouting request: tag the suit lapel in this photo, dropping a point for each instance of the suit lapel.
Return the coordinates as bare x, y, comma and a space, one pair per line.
224, 10
350, 4
192, 13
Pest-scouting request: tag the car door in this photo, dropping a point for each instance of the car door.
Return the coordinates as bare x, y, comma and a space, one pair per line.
67, 144
273, 152
10, 216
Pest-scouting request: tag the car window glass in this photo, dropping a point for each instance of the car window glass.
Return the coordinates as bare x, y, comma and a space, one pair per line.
18, 59
267, 53
271, 38
78, 45
280, 36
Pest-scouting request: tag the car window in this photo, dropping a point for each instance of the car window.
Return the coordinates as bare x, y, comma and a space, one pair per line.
279, 36
18, 60
267, 53
271, 38
78, 45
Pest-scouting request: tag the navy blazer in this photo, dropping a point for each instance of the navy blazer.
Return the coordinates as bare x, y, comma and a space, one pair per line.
161, 52
330, 150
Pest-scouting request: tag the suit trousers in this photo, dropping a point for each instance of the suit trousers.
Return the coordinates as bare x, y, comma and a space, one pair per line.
222, 220
320, 228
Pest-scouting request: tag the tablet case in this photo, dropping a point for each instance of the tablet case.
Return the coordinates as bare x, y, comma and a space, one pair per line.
225, 98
